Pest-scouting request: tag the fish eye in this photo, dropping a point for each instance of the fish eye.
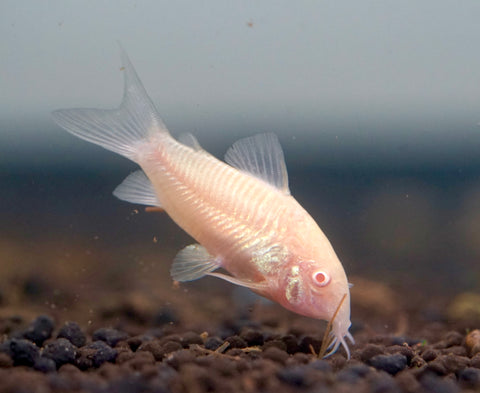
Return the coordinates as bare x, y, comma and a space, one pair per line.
321, 278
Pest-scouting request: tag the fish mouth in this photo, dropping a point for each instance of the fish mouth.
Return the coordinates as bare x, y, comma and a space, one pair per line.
336, 340
335, 333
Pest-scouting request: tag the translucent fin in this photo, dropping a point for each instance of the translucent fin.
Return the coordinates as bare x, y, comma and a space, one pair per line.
262, 156
192, 262
252, 285
189, 140
119, 130
137, 188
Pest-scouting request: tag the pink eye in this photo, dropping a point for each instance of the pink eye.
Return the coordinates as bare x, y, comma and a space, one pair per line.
321, 278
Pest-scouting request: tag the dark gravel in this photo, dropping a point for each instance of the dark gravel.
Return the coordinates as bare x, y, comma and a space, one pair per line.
61, 351
392, 364
39, 330
114, 360
129, 331
73, 333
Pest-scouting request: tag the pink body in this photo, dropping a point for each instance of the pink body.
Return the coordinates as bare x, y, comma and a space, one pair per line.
252, 228
256, 232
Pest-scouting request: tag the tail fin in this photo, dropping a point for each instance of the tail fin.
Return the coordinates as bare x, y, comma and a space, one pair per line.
119, 130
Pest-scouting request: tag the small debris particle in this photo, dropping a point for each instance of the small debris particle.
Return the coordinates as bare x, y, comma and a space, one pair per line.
222, 348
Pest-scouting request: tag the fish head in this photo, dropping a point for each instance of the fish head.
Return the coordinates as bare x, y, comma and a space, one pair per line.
321, 291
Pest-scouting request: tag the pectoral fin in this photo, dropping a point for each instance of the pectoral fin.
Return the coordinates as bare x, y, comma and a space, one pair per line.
192, 263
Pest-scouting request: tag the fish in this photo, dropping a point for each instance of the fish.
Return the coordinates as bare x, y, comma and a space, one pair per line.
249, 229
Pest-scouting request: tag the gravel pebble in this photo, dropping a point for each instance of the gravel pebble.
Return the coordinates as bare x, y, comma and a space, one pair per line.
158, 349
39, 330
252, 337
135, 342
275, 354
370, 351
236, 342
383, 382
432, 383
403, 350
22, 352
429, 354
297, 376
277, 343
109, 335
453, 338
475, 361
469, 377
61, 351
307, 343
179, 358
472, 342
351, 374
212, 343
72, 332
392, 364
5, 360
320, 365
189, 338
95, 354
140, 360
169, 347
291, 344
45, 365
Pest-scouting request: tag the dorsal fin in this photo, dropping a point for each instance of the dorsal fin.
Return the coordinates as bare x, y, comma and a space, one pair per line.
261, 156
137, 188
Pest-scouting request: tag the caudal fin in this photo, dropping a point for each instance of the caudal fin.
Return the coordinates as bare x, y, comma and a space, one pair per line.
120, 130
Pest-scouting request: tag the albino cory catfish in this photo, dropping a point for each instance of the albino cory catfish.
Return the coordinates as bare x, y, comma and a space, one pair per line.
241, 212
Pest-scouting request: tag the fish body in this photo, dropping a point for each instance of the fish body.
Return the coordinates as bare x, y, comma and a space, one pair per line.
240, 212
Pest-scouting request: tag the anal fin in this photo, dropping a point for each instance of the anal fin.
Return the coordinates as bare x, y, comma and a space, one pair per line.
137, 188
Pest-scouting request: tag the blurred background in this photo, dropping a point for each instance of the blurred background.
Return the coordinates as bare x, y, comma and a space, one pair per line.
376, 104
